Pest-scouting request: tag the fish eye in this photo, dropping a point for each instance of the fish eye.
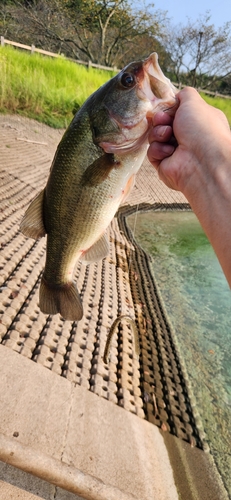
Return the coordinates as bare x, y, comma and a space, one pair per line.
128, 80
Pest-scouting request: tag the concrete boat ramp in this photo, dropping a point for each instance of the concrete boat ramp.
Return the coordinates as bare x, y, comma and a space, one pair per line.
72, 427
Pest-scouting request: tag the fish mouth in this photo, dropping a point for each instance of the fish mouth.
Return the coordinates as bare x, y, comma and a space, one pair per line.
157, 88
157, 93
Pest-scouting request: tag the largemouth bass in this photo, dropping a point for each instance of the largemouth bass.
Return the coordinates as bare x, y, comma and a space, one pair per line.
92, 173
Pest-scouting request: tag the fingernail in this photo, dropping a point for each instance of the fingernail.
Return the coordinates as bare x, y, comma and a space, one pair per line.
161, 130
168, 148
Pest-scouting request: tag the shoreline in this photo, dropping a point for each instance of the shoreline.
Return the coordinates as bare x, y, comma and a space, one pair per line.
161, 337
192, 467
108, 289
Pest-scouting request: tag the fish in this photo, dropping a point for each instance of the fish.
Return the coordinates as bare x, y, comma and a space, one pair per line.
92, 173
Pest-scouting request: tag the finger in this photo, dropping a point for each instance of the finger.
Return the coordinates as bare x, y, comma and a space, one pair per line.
160, 133
162, 118
158, 151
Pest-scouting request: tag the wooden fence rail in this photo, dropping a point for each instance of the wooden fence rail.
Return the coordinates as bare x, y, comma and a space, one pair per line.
202, 91
89, 64
33, 49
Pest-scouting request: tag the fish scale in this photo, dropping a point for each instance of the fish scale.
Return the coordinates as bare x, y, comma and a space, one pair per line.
92, 173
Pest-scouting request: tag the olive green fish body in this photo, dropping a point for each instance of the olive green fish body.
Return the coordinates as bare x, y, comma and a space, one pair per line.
80, 200
92, 173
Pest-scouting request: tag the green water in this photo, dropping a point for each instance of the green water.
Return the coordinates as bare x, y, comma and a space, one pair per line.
198, 302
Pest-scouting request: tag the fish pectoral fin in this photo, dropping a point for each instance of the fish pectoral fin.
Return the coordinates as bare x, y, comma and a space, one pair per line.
99, 170
32, 223
96, 252
63, 299
128, 188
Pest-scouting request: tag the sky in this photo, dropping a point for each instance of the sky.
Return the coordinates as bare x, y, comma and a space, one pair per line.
179, 10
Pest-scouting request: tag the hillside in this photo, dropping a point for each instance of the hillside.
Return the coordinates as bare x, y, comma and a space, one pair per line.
51, 90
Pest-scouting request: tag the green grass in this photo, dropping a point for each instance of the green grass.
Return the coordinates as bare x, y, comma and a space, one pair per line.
220, 103
47, 89
51, 90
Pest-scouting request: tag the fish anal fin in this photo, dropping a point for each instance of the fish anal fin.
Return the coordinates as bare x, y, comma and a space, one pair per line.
32, 223
63, 299
96, 252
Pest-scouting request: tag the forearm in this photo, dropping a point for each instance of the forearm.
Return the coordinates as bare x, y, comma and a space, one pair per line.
210, 198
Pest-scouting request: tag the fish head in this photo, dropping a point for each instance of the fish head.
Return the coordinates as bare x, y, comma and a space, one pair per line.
122, 110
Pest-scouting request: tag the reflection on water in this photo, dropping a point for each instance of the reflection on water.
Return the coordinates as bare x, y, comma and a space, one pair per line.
198, 301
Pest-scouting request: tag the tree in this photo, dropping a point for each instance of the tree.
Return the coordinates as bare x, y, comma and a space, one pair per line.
200, 53
6, 22
108, 32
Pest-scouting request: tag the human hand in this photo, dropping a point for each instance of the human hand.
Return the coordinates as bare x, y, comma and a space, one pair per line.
193, 140
192, 153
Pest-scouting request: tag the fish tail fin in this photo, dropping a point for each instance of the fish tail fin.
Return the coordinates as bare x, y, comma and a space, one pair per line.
63, 299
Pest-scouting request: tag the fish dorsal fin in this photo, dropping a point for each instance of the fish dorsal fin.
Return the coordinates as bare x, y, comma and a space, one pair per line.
96, 252
32, 223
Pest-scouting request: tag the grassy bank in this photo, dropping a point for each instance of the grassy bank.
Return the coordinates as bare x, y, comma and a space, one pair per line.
49, 90
222, 104
44, 88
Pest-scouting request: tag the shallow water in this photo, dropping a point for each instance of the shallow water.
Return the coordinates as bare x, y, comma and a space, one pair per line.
198, 302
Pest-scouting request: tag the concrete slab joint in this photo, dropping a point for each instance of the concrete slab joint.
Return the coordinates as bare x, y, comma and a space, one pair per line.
44, 431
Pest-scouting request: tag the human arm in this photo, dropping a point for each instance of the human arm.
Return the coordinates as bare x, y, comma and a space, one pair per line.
192, 154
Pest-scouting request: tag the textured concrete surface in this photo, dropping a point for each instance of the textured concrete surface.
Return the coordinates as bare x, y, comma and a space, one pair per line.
47, 413
60, 405
16, 484
120, 284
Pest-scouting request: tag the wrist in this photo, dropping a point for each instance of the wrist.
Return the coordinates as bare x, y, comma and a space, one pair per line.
210, 175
